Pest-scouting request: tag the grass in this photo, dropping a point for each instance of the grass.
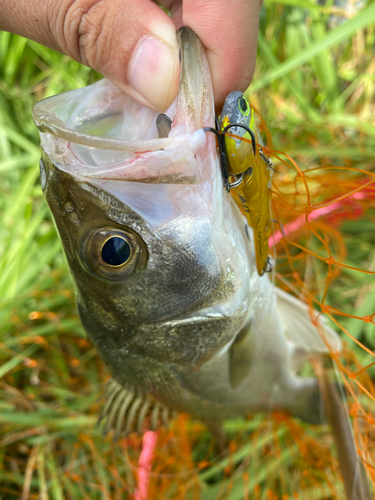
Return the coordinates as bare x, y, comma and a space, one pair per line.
315, 88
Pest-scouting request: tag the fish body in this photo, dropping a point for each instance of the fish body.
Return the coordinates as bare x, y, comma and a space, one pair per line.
165, 267
164, 263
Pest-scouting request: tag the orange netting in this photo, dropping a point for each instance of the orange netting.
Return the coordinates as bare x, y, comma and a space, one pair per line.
317, 200
309, 207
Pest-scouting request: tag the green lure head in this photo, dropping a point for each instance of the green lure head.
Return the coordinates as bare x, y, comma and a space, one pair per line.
237, 109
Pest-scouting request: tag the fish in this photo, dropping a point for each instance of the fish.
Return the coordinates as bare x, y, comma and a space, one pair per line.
246, 159
164, 265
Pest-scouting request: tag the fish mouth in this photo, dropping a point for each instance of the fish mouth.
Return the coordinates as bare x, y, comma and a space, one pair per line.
158, 186
153, 177
100, 133
101, 136
173, 164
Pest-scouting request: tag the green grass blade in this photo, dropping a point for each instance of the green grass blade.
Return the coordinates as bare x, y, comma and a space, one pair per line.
13, 362
336, 36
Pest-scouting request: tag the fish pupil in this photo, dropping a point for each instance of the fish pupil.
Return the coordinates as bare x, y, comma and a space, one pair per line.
116, 251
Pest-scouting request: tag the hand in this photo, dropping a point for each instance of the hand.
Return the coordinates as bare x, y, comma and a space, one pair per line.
133, 42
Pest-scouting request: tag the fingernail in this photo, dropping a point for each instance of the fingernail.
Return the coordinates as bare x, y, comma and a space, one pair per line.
152, 72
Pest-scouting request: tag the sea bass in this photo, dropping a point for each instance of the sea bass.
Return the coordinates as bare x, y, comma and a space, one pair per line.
164, 263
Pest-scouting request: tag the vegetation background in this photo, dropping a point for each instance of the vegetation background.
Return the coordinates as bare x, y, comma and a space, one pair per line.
314, 86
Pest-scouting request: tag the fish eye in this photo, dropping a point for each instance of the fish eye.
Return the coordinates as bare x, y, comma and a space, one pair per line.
114, 253
243, 105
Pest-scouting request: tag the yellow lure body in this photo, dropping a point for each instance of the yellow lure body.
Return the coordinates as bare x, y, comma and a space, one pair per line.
238, 152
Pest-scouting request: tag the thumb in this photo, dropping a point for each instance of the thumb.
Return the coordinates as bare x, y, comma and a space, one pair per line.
131, 42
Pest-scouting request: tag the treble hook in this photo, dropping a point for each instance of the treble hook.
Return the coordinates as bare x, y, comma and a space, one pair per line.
220, 135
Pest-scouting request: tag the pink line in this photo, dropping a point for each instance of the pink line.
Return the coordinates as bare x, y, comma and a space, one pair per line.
300, 222
144, 464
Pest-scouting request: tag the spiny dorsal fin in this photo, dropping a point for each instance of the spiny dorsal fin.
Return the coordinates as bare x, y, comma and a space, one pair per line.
127, 411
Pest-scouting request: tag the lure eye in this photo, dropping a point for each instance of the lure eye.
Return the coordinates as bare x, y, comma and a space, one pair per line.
243, 105
114, 253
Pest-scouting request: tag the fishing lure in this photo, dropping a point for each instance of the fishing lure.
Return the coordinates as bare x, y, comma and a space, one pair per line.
252, 170
244, 160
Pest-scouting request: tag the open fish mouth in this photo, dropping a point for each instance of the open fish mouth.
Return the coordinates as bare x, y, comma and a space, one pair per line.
99, 132
105, 137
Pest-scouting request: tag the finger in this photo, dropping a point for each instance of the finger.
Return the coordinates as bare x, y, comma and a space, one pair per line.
131, 42
229, 31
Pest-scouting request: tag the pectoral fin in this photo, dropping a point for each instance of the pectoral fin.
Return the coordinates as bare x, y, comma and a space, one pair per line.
163, 124
240, 354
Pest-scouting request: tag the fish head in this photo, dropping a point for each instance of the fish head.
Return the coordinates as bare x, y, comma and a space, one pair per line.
161, 261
